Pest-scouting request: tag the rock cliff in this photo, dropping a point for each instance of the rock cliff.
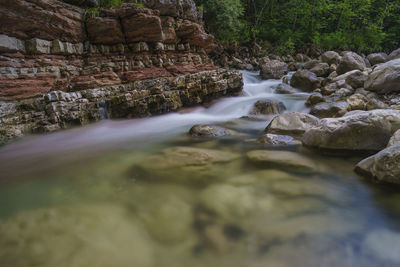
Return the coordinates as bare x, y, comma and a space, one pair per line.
61, 65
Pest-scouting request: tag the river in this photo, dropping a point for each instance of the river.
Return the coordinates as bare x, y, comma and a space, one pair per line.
143, 193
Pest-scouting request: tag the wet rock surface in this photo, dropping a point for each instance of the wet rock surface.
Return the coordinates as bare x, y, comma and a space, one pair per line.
357, 130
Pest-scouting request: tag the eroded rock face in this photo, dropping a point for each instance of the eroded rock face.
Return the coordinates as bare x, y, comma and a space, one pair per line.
383, 166
273, 69
385, 78
185, 9
357, 130
350, 61
305, 80
24, 19
194, 34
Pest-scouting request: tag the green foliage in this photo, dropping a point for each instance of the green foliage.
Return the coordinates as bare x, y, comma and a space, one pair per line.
110, 3
361, 25
139, 5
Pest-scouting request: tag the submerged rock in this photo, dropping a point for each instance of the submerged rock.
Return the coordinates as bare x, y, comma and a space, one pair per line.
357, 130
291, 160
384, 244
186, 164
209, 131
231, 203
383, 166
279, 140
77, 236
292, 123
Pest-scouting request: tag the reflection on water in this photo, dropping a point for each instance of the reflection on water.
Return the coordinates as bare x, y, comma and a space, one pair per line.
142, 193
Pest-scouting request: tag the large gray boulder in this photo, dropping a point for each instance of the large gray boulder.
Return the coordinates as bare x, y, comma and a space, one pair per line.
292, 123
356, 79
350, 61
331, 57
273, 69
377, 58
305, 80
385, 78
394, 55
383, 166
330, 109
356, 131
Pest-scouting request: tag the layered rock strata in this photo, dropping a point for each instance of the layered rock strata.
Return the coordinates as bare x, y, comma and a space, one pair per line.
61, 65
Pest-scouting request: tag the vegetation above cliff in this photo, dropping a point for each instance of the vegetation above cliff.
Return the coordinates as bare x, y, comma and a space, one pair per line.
290, 25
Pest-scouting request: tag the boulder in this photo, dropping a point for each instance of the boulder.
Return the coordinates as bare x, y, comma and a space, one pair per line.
356, 79
355, 131
283, 159
104, 30
377, 58
265, 107
273, 69
394, 55
331, 57
277, 140
357, 102
315, 98
330, 109
305, 80
43, 19
321, 69
395, 139
209, 131
350, 61
292, 123
383, 166
284, 88
385, 78
11, 44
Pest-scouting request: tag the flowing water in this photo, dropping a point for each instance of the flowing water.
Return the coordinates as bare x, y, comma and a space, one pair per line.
142, 193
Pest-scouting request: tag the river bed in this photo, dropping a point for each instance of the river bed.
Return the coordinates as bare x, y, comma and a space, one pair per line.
143, 193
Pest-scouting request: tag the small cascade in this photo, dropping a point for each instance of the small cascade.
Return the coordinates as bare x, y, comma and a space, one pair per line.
103, 110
